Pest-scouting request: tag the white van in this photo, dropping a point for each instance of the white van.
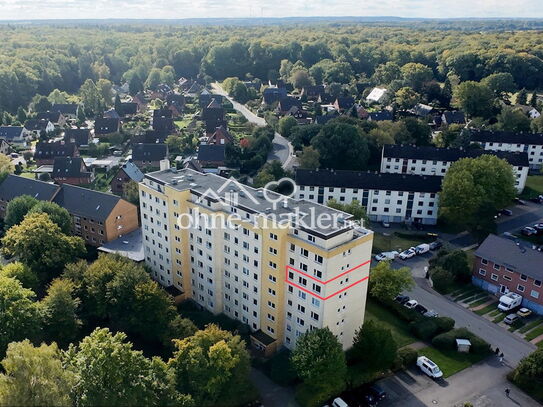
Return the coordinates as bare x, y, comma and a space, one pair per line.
338, 402
422, 248
509, 301
428, 367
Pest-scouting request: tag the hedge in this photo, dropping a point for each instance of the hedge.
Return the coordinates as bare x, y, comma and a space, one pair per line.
447, 341
427, 327
406, 357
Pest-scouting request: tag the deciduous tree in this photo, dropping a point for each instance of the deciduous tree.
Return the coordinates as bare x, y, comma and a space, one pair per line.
387, 282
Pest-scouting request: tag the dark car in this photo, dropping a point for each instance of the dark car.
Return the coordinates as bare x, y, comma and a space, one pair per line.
370, 394
402, 299
378, 393
507, 212
436, 245
528, 231
537, 200
421, 309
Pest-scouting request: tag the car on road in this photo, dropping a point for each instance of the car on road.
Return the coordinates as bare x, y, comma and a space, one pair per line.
386, 255
507, 212
421, 309
524, 312
407, 254
436, 245
402, 299
428, 367
431, 314
528, 231
411, 304
511, 318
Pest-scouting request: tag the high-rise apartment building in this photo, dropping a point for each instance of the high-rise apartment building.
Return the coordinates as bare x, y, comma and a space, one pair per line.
280, 265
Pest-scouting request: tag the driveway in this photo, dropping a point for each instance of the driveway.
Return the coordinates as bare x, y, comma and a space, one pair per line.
282, 150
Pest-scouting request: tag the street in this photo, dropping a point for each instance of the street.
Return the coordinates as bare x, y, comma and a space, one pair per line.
282, 150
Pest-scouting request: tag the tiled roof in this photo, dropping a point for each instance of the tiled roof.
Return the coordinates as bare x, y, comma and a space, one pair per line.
507, 137
14, 186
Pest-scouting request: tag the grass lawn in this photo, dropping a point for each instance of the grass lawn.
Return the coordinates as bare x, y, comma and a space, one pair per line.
451, 362
534, 187
398, 327
486, 309
531, 325
500, 317
30, 175
495, 313
470, 292
480, 301
534, 333
395, 241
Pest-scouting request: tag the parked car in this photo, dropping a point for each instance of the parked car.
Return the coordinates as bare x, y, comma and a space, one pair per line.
511, 318
524, 312
428, 367
371, 394
538, 227
407, 254
528, 231
507, 212
386, 255
421, 309
537, 200
422, 248
411, 304
431, 314
402, 299
385, 224
338, 402
436, 245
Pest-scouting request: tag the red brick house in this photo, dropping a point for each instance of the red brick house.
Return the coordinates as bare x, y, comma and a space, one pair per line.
128, 172
220, 137
502, 266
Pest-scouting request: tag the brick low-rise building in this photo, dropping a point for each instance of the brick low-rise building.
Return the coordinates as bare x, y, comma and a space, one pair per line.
501, 266
128, 172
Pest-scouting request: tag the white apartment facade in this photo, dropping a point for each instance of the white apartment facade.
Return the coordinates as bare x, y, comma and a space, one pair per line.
279, 279
386, 197
426, 160
529, 143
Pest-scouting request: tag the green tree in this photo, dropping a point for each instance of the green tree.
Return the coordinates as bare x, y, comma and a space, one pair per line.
59, 309
513, 120
455, 262
21, 115
320, 362
131, 192
415, 75
309, 159
212, 366
40, 104
34, 376
500, 83
300, 78
453, 136
6, 166
522, 97
135, 84
22, 273
474, 189
58, 215
19, 313
374, 346
406, 98
533, 99
386, 73
354, 208
442, 279
286, 125
153, 79
474, 99
528, 375
537, 124
40, 244
387, 282
109, 372
419, 132
17, 209
91, 98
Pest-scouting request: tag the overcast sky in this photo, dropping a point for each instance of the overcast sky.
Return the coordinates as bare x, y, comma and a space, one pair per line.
45, 9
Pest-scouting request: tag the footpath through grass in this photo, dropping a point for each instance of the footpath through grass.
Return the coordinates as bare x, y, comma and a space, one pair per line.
451, 362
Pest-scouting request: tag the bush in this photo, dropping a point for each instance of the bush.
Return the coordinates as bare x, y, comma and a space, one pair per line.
445, 324
406, 314
447, 341
442, 279
424, 329
406, 357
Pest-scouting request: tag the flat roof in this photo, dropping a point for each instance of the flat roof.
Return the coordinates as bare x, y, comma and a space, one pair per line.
129, 245
250, 199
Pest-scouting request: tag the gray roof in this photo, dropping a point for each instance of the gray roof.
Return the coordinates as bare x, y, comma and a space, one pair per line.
250, 199
86, 202
506, 253
14, 186
53, 150
69, 167
129, 246
369, 180
508, 137
212, 152
149, 152
78, 136
65, 108
10, 132
133, 172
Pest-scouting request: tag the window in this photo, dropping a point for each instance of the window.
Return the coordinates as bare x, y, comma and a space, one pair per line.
318, 259
524, 277
273, 236
482, 272
534, 294
484, 261
315, 316
494, 277
520, 288
507, 278
271, 304
315, 302
496, 266
537, 283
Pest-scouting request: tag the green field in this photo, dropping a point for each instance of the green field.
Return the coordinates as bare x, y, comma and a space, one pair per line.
398, 327
534, 187
450, 362
487, 309
397, 241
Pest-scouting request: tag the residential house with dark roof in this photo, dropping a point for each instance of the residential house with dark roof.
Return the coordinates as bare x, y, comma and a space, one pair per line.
312, 92
502, 266
530, 143
14, 186
39, 127
73, 171
211, 156
387, 197
46, 153
422, 110
157, 113
285, 104
149, 136
325, 118
15, 134
220, 136
97, 217
302, 117
104, 126
163, 124
68, 110
453, 117
80, 137
149, 155
213, 116
111, 114
380, 116
126, 109
56, 118
343, 103
428, 160
273, 94
205, 98
128, 172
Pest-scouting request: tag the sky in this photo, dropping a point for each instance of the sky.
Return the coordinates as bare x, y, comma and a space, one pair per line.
178, 9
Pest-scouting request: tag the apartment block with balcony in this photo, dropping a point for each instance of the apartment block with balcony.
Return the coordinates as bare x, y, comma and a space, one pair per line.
250, 268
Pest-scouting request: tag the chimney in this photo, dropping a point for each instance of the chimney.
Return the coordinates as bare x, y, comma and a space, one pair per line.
164, 164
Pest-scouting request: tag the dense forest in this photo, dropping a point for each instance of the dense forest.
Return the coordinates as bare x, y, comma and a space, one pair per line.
39, 59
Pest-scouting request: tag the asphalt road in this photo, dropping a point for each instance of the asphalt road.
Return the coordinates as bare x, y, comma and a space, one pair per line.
282, 150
